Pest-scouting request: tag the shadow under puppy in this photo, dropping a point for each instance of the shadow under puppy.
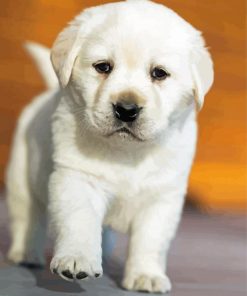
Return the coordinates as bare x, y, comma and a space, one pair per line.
112, 144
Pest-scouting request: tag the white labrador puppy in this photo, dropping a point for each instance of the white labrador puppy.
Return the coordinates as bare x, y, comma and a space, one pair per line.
113, 145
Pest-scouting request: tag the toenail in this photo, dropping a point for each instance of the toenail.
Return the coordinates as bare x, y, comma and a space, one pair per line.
67, 274
81, 275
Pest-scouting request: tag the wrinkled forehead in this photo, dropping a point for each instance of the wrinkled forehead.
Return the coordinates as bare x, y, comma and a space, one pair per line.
150, 32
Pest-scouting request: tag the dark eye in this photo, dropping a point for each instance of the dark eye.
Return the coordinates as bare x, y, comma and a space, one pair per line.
103, 67
159, 73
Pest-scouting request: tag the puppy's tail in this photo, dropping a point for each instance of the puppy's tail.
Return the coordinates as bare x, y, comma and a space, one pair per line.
41, 57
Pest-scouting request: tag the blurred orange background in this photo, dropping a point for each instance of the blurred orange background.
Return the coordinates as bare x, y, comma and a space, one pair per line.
218, 179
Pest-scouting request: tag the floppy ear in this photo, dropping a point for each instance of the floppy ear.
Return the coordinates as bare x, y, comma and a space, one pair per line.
202, 73
66, 48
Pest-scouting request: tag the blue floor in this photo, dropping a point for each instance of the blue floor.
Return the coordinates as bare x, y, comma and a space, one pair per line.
207, 258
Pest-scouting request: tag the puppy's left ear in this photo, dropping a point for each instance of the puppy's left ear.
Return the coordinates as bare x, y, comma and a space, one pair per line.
67, 46
202, 73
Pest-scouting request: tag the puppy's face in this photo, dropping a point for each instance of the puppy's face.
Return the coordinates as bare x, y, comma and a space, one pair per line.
132, 75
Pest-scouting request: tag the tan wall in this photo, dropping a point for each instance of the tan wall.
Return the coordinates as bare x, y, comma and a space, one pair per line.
219, 175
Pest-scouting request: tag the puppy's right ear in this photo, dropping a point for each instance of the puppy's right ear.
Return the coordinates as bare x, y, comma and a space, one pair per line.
202, 71
66, 48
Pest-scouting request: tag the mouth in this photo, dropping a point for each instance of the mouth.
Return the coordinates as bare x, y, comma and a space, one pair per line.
123, 132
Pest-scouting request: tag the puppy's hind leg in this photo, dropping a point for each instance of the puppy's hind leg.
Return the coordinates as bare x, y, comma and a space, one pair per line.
27, 215
28, 228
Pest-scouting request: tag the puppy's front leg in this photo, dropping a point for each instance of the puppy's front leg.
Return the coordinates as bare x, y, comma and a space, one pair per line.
77, 209
150, 235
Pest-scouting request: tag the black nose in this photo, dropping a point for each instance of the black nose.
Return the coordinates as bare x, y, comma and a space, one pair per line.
126, 112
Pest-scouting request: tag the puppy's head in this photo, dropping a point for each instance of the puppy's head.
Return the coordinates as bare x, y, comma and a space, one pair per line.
132, 67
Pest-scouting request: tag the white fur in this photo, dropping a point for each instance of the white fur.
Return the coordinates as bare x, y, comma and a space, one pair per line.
97, 176
41, 57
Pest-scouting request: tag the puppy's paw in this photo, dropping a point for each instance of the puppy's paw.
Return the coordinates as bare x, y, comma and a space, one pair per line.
75, 268
147, 283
